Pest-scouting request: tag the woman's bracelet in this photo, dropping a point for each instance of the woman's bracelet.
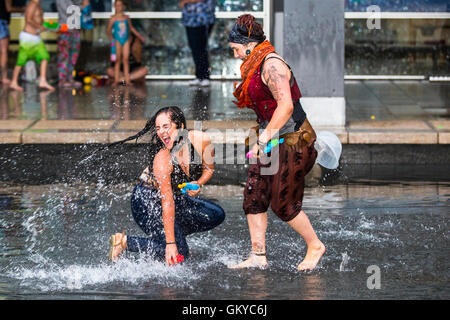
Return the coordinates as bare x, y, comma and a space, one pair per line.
170, 243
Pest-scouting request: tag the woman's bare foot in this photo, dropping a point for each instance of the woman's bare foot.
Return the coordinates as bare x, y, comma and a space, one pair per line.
118, 243
255, 260
6, 81
313, 255
45, 85
15, 86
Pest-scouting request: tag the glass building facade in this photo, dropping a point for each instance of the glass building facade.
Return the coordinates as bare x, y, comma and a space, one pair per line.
412, 36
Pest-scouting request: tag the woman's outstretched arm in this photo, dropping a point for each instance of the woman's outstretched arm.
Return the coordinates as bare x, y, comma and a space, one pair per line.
202, 143
276, 75
162, 172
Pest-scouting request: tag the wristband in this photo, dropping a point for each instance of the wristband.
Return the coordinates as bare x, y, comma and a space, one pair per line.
170, 243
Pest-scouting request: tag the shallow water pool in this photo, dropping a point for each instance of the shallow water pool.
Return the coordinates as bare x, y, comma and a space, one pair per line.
54, 245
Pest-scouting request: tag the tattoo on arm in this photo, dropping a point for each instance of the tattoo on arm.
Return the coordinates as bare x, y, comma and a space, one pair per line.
275, 79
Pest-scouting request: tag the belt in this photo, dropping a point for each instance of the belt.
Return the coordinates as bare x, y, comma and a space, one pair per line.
305, 134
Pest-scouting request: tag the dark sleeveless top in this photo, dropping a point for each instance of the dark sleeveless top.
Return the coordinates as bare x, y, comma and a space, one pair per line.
178, 176
264, 104
195, 169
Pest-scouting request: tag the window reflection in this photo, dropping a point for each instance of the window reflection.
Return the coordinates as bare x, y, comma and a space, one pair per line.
400, 47
50, 5
399, 5
166, 52
173, 5
240, 5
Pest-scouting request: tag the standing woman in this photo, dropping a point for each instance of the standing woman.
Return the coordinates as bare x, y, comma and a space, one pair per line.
269, 88
165, 214
69, 44
198, 18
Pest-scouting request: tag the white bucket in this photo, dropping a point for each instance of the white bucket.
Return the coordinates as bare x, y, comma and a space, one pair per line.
329, 149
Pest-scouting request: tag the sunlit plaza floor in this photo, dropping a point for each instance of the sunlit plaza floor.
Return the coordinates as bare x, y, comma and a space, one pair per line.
421, 108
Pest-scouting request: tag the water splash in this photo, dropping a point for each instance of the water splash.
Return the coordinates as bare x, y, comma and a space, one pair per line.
344, 262
50, 276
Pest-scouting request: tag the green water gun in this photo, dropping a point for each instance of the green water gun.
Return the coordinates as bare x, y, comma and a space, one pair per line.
55, 26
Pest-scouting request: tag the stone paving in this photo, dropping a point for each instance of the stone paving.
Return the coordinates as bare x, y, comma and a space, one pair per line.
378, 112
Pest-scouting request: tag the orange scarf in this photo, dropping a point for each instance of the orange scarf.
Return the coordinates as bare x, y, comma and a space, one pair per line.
248, 68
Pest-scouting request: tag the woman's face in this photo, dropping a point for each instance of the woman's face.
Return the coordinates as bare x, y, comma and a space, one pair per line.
238, 50
166, 129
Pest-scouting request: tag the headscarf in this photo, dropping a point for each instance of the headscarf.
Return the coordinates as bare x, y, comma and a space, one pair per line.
240, 35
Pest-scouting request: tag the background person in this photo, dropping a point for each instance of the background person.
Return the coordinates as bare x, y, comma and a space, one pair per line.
6, 7
31, 46
138, 71
119, 29
68, 46
198, 18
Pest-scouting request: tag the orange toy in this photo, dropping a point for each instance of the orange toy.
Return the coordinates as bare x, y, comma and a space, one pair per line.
64, 28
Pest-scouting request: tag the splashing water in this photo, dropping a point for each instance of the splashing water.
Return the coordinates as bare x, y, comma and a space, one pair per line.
345, 259
49, 276
54, 243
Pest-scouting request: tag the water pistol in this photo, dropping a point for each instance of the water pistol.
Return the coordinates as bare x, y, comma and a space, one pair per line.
55, 26
272, 143
188, 186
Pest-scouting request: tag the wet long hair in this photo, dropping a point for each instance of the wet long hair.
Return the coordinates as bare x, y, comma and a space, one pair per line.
155, 143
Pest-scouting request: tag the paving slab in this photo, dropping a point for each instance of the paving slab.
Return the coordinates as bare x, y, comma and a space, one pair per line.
65, 137
440, 125
444, 137
131, 125
15, 125
407, 137
73, 125
10, 137
389, 125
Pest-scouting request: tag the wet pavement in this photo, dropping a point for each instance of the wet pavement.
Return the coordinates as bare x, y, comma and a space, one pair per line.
387, 112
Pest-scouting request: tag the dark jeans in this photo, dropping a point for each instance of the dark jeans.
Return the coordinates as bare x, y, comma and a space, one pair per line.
191, 215
198, 42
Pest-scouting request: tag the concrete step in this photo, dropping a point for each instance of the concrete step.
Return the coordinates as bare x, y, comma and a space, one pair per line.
221, 132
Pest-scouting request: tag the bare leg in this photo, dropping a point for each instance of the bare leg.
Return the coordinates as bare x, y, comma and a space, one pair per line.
4, 43
15, 78
126, 64
118, 62
43, 100
43, 77
257, 225
139, 74
316, 248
